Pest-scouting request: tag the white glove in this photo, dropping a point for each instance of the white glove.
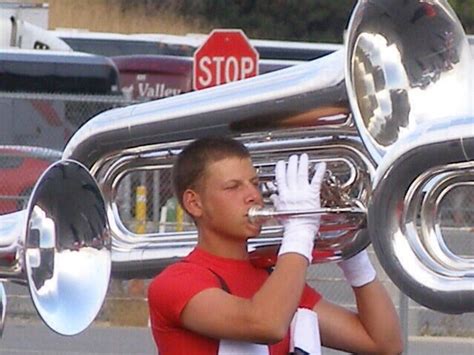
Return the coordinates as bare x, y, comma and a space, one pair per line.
358, 270
296, 193
304, 333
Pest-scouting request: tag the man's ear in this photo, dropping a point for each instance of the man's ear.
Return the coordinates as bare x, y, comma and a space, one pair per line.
192, 203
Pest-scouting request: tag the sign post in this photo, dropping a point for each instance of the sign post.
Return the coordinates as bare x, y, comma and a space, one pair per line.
226, 56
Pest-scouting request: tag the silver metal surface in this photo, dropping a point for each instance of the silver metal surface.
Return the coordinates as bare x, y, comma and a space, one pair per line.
60, 247
409, 82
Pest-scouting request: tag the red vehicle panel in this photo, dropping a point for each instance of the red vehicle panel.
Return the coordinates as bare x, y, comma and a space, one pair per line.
19, 172
154, 76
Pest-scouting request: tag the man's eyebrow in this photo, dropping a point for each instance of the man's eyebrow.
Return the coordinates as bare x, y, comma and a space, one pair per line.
238, 181
231, 181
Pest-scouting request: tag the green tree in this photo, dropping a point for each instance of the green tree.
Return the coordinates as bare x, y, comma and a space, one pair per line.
465, 11
298, 20
310, 20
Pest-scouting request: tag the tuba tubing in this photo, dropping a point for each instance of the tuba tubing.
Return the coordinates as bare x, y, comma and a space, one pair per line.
413, 254
288, 98
343, 235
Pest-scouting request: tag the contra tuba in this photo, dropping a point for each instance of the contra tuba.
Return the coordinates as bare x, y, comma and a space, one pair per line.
391, 114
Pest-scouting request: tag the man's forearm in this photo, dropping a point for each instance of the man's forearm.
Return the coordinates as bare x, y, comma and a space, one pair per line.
279, 297
379, 317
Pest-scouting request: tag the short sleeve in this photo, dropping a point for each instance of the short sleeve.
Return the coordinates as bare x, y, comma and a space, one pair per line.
172, 289
310, 297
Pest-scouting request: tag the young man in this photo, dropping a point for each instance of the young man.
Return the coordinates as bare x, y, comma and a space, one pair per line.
216, 302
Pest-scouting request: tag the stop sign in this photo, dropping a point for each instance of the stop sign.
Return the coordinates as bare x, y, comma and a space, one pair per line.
226, 56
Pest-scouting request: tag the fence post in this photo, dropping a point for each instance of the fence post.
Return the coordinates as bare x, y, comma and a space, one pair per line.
403, 307
156, 198
179, 218
136, 287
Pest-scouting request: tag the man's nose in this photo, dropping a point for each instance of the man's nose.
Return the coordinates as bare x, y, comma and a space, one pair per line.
253, 194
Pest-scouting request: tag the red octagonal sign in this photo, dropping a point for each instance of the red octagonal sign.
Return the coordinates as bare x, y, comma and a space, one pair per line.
226, 56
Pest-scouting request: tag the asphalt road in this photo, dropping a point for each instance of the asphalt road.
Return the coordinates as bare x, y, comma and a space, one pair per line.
34, 338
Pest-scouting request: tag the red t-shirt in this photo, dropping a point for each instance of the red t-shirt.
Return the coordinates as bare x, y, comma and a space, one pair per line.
171, 290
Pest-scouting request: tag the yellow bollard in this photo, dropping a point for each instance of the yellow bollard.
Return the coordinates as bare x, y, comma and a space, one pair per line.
140, 210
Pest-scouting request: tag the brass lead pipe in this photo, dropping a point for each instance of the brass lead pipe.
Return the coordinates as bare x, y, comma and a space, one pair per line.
257, 214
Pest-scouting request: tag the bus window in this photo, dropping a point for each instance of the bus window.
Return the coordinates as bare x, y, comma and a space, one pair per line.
57, 72
121, 46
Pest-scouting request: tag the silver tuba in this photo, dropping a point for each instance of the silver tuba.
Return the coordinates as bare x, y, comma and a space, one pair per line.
375, 112
60, 248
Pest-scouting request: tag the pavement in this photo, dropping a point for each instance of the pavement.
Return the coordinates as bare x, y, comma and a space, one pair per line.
31, 337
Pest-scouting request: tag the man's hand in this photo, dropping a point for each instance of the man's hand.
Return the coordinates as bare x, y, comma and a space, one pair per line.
295, 192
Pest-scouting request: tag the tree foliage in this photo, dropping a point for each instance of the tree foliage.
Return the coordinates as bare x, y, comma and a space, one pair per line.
301, 20
317, 21
465, 11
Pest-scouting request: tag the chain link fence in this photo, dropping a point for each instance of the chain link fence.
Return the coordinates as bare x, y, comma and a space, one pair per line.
145, 201
34, 129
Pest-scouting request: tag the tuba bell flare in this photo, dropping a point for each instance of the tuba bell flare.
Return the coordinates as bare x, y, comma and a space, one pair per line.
60, 248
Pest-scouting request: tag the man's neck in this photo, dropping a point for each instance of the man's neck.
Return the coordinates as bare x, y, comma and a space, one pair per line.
224, 247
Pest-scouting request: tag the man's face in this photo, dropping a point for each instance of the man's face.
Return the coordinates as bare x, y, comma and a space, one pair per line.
228, 189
